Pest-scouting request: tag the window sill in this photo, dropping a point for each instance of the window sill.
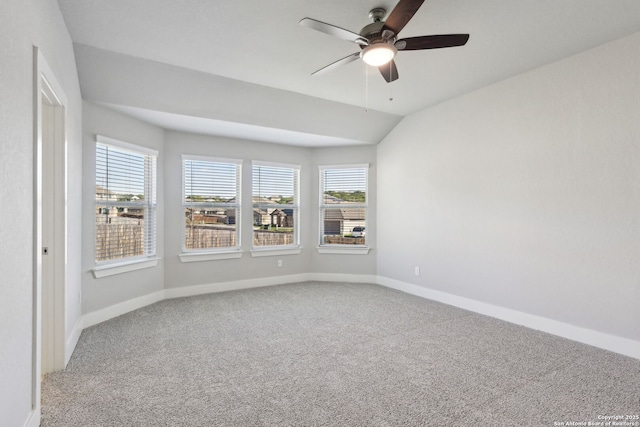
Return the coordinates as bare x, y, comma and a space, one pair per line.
347, 249
123, 267
275, 251
209, 256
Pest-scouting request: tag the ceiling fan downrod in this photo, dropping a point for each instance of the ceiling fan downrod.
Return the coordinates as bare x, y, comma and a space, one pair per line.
377, 14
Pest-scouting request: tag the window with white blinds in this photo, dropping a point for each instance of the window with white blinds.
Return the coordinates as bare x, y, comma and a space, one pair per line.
211, 202
343, 204
275, 200
125, 201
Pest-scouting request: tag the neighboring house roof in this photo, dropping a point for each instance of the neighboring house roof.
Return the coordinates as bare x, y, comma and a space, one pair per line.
101, 190
344, 214
103, 193
282, 212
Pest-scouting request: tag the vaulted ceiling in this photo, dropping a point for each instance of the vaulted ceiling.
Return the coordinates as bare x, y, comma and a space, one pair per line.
242, 68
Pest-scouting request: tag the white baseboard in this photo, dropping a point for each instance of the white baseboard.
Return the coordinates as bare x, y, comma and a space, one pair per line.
33, 420
349, 278
72, 341
236, 285
116, 310
602, 340
119, 309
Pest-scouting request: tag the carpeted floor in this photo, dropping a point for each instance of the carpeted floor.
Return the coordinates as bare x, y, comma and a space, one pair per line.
331, 354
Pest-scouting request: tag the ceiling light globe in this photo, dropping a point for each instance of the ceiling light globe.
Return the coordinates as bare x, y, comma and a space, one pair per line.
378, 54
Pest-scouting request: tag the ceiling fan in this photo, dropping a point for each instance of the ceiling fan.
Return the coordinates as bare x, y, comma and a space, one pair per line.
379, 40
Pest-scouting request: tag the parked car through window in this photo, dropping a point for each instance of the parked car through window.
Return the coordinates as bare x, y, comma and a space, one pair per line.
358, 232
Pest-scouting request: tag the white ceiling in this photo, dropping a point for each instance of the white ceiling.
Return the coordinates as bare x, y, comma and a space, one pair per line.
261, 43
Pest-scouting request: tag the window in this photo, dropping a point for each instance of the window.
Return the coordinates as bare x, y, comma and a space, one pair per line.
125, 201
211, 201
275, 205
343, 205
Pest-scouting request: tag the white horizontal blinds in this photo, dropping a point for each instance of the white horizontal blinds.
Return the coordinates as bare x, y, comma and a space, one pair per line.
275, 204
343, 204
211, 201
125, 203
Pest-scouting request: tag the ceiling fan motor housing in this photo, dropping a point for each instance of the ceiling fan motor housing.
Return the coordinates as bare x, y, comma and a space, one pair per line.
380, 48
374, 34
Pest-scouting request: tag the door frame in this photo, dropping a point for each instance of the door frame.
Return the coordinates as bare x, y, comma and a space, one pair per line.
46, 87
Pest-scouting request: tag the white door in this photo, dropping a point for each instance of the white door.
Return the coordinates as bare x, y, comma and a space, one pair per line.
48, 236
52, 220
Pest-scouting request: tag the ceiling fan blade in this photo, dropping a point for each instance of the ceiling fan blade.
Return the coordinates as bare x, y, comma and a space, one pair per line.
332, 30
389, 71
339, 62
401, 15
432, 42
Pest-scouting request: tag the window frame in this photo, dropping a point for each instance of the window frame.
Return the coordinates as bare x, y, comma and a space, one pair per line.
273, 250
148, 259
224, 252
337, 248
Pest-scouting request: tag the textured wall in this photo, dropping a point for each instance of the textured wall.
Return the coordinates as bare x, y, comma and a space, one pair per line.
343, 263
106, 291
171, 272
180, 274
525, 194
124, 80
24, 24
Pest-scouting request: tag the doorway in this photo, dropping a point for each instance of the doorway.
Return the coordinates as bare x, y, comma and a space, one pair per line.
50, 222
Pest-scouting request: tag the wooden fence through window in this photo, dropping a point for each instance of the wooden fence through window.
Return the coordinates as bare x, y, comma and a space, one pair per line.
203, 237
119, 240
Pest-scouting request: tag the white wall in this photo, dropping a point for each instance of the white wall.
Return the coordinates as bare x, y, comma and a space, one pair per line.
23, 24
106, 291
525, 194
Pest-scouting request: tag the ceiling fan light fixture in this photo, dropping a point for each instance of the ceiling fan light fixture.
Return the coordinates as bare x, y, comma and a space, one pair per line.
378, 54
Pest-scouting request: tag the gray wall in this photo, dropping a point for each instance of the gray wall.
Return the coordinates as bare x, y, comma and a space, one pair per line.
342, 263
197, 94
106, 291
23, 24
171, 272
178, 274
525, 194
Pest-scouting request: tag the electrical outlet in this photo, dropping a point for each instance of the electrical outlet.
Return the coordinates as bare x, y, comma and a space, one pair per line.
279, 263
417, 271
